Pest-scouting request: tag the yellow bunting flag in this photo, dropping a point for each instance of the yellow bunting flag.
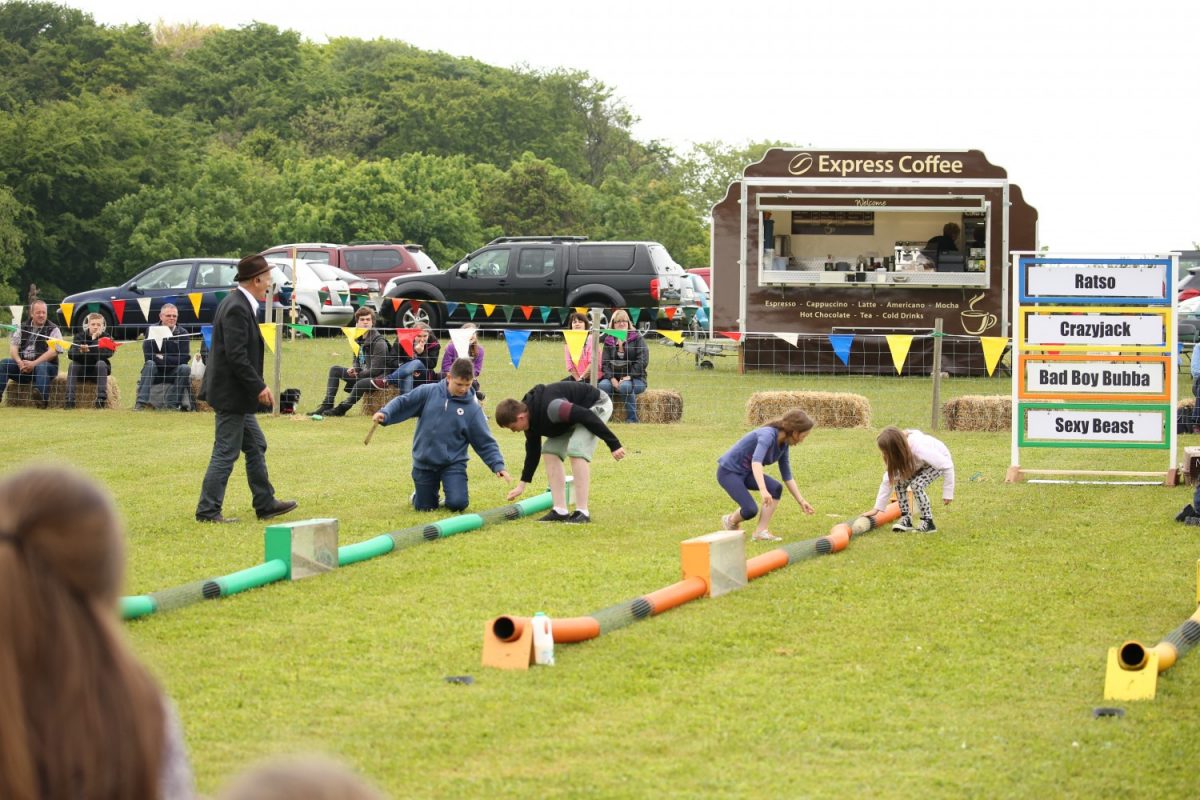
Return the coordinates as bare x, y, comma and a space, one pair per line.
899, 344
267, 329
993, 348
575, 341
67, 310
59, 345
674, 336
582, 310
195, 297
488, 308
353, 335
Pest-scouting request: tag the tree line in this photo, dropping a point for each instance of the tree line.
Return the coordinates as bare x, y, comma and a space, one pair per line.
121, 146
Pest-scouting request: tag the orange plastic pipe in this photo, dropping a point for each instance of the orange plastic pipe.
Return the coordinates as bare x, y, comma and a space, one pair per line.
676, 594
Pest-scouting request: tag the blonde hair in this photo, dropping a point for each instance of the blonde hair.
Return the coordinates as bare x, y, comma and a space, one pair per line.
620, 313
93, 316
83, 718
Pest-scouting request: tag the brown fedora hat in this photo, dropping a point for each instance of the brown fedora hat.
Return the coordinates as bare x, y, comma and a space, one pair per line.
251, 266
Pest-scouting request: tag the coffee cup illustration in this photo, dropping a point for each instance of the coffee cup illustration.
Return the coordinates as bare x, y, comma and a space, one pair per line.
976, 321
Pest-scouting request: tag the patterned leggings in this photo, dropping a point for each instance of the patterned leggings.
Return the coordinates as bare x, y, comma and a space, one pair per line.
925, 476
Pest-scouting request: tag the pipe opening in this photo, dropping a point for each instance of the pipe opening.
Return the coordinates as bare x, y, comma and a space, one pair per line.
1132, 656
504, 628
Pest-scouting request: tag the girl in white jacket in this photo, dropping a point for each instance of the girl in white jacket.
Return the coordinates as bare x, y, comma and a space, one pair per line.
912, 461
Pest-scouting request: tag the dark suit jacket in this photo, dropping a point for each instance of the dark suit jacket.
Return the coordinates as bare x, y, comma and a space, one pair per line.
234, 377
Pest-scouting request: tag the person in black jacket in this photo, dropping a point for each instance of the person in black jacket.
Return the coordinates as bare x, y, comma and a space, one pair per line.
623, 364
370, 363
89, 362
167, 361
571, 416
234, 387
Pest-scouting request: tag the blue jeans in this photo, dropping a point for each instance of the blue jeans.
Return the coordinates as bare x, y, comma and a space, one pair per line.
628, 393
738, 486
41, 377
402, 376
236, 433
452, 478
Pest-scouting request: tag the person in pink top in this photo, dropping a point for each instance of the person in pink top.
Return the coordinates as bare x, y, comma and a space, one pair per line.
579, 370
912, 461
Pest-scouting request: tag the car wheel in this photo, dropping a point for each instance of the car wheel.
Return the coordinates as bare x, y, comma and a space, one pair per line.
408, 315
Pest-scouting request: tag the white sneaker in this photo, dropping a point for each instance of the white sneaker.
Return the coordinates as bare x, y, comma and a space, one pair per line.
727, 523
766, 536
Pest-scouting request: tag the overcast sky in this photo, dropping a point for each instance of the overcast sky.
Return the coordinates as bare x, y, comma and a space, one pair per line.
1090, 106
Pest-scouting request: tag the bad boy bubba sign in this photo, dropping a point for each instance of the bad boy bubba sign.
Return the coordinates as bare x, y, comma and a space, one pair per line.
1096, 352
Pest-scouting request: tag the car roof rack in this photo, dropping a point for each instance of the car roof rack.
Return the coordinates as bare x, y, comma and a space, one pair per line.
406, 245
505, 239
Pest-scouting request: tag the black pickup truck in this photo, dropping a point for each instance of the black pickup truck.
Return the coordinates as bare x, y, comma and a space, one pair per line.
535, 273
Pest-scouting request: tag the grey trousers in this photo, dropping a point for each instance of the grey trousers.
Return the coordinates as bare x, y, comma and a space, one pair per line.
236, 433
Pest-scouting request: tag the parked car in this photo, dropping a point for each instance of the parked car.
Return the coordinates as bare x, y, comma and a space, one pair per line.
363, 291
378, 260
1189, 285
558, 272
696, 302
319, 300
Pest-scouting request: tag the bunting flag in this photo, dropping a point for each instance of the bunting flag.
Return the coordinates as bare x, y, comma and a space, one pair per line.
582, 310
462, 341
516, 341
899, 344
353, 335
67, 310
92, 308
144, 305
674, 336
405, 337
993, 348
156, 333
206, 335
620, 336
196, 297
220, 296
634, 313
18, 311
267, 329
545, 312
395, 304
471, 309
670, 311
527, 311
307, 330
508, 312
488, 308
59, 345
450, 309
119, 310
344, 297
841, 346
735, 335
107, 343
791, 338
575, 341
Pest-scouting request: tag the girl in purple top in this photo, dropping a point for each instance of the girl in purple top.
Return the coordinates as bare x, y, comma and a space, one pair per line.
741, 469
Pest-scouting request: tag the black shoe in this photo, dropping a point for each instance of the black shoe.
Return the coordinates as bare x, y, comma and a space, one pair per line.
554, 516
1192, 521
926, 526
217, 519
1188, 511
281, 507
578, 518
337, 411
321, 410
141, 406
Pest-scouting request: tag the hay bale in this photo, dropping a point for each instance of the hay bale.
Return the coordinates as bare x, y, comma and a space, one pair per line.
653, 406
978, 412
24, 394
376, 399
827, 409
199, 404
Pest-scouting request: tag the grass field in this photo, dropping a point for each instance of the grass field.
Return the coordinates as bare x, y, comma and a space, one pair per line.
966, 663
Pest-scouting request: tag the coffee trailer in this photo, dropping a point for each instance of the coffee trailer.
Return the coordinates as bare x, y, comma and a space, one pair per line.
820, 242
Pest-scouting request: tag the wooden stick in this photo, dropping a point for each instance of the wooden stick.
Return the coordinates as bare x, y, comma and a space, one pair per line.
370, 433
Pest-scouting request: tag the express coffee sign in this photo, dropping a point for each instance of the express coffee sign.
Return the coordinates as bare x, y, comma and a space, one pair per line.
877, 164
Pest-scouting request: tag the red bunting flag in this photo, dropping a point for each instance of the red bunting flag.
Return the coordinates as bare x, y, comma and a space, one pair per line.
119, 309
737, 337
107, 343
405, 337
395, 304
670, 312
527, 311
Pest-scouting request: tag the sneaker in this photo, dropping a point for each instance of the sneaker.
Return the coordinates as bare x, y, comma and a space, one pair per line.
926, 526
337, 411
903, 525
578, 518
1192, 521
727, 523
554, 516
320, 410
379, 383
766, 536
1188, 511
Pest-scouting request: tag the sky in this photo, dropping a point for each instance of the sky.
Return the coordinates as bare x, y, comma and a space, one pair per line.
1090, 106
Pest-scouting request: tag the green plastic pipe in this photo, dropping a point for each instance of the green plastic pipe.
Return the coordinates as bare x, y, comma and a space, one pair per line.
361, 551
138, 605
460, 524
252, 578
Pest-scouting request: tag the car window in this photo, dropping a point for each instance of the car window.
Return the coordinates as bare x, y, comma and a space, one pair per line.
607, 257
324, 271
489, 264
377, 260
534, 262
168, 276
215, 276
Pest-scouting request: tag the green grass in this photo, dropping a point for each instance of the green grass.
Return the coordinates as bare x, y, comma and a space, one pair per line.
961, 664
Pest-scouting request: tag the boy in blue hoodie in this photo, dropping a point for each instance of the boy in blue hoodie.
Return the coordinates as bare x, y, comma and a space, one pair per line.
448, 419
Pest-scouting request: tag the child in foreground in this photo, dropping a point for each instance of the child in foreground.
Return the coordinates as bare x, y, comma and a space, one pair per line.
740, 469
912, 461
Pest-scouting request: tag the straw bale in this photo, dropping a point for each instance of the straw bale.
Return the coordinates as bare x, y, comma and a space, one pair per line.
376, 399
653, 405
24, 394
978, 412
827, 409
199, 404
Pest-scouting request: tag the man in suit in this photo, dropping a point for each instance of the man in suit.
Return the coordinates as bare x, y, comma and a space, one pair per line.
233, 385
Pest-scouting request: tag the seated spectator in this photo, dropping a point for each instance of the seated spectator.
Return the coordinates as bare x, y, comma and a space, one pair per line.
579, 370
474, 352
31, 358
370, 363
420, 369
82, 717
89, 362
623, 364
167, 361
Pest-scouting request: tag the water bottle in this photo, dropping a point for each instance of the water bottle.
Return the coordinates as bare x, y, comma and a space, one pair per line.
543, 640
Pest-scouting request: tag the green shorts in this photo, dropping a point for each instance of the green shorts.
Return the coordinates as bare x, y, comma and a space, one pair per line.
579, 442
